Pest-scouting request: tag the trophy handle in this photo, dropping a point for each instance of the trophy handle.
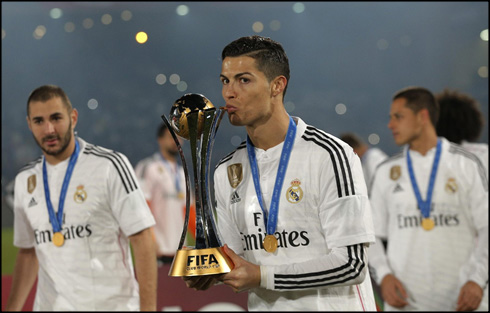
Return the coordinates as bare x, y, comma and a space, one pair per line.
187, 182
209, 142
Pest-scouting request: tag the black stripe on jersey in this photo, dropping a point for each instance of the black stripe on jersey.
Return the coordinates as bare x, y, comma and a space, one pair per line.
456, 149
31, 164
121, 166
339, 275
230, 155
323, 140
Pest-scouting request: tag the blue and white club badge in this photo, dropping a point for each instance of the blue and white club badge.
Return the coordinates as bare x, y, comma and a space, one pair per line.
80, 195
294, 194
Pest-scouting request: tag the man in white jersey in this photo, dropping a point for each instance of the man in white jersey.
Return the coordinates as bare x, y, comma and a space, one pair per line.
461, 121
77, 209
430, 203
304, 245
163, 182
370, 157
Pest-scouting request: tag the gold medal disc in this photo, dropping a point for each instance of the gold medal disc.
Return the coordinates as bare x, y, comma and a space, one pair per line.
427, 223
270, 243
58, 239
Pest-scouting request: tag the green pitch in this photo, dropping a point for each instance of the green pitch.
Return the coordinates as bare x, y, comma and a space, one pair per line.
9, 252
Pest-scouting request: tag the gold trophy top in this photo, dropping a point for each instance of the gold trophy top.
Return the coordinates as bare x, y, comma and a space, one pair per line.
185, 105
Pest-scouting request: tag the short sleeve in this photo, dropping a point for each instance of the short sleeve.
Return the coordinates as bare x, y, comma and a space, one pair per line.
128, 202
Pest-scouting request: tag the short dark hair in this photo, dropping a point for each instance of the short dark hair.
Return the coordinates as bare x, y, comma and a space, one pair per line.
460, 118
47, 92
419, 98
269, 55
162, 129
352, 140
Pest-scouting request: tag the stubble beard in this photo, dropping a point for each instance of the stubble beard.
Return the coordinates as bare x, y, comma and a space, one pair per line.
64, 143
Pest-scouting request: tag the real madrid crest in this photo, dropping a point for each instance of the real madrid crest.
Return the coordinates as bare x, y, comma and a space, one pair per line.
395, 172
235, 174
451, 186
80, 194
31, 183
294, 194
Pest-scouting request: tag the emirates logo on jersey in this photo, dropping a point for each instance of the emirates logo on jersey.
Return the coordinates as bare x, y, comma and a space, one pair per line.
68, 232
80, 195
294, 194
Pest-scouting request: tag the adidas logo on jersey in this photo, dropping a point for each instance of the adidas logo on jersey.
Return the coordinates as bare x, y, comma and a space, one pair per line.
32, 202
235, 197
398, 188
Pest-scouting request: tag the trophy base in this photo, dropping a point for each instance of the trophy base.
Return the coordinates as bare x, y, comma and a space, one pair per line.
199, 262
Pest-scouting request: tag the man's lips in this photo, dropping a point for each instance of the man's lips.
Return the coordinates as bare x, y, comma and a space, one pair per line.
50, 141
230, 108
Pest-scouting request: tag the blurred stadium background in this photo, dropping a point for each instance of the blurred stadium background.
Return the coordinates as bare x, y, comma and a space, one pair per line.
123, 64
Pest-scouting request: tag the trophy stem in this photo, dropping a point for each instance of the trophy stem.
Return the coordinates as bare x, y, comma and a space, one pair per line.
192, 122
209, 118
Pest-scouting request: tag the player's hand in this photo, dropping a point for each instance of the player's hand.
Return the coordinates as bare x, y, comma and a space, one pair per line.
470, 297
201, 282
393, 292
245, 275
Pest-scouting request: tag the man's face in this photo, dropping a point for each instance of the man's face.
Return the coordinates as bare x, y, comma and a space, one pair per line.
246, 91
168, 144
51, 125
405, 124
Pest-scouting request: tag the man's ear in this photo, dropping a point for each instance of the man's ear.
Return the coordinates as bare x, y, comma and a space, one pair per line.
28, 123
424, 114
278, 85
74, 117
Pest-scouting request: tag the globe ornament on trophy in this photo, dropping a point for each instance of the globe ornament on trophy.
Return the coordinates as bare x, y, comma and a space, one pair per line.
193, 117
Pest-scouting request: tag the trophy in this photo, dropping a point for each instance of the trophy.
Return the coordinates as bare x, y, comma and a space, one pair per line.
193, 117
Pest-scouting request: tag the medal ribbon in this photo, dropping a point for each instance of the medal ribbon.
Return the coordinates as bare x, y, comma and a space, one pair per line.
57, 219
425, 205
271, 222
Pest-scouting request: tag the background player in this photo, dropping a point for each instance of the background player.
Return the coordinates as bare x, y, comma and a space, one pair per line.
76, 210
431, 205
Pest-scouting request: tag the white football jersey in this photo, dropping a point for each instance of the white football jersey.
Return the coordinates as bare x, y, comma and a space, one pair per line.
432, 265
164, 186
93, 269
323, 205
479, 149
370, 160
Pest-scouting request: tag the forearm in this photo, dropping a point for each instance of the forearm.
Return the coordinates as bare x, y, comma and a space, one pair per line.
343, 266
478, 264
146, 268
25, 273
378, 261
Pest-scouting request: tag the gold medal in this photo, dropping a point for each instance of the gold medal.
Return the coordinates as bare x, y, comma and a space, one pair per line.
270, 243
427, 223
58, 239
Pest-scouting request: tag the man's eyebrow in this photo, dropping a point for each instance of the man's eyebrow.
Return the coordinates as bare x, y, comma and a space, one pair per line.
56, 114
237, 75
